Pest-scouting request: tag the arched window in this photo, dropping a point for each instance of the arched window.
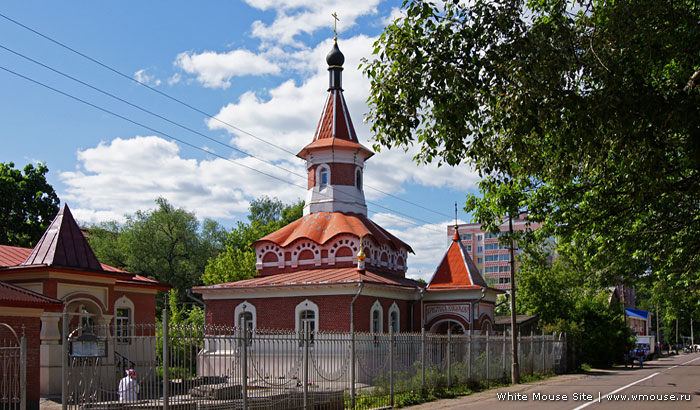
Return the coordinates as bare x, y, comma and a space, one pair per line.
324, 176
376, 318
358, 179
395, 318
306, 312
123, 320
245, 315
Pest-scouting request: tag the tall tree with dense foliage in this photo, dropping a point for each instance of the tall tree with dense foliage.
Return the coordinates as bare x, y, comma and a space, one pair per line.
567, 299
589, 109
28, 204
237, 261
165, 243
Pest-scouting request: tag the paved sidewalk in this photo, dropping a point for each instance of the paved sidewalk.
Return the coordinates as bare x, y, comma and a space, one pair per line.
667, 375
473, 399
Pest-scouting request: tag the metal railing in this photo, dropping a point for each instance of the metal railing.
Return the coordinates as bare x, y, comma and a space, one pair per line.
219, 367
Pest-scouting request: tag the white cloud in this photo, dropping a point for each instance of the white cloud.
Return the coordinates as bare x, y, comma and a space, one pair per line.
174, 79
215, 70
126, 175
148, 79
294, 17
395, 13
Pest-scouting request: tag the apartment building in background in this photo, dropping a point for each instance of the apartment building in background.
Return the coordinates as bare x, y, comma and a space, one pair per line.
490, 256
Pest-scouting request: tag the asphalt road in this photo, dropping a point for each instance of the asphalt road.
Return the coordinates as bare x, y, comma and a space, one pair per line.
653, 387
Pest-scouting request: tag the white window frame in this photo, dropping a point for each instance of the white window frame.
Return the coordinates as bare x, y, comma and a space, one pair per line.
319, 171
376, 307
306, 305
124, 303
247, 307
395, 309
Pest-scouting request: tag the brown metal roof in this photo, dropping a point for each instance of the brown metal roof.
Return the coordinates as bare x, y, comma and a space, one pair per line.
317, 277
11, 295
63, 244
13, 257
321, 227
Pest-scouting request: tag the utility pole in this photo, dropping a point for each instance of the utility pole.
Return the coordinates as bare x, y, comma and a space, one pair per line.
515, 368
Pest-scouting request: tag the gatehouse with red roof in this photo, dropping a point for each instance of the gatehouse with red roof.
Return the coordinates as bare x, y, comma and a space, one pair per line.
62, 274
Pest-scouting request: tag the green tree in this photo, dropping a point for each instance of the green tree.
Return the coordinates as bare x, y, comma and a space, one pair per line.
566, 298
237, 261
591, 110
28, 204
166, 244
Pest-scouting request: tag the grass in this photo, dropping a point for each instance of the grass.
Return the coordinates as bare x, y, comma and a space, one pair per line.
379, 397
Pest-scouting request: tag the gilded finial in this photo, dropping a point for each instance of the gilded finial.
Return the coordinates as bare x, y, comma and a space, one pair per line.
335, 25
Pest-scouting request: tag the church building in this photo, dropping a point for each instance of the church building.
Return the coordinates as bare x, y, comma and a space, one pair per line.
336, 269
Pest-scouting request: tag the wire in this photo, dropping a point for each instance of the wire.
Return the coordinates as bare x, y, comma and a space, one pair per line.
148, 111
166, 95
204, 150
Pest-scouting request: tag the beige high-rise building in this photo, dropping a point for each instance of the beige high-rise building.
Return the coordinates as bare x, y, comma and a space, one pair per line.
491, 257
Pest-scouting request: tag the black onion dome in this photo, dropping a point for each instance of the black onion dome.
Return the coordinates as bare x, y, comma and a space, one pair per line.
335, 57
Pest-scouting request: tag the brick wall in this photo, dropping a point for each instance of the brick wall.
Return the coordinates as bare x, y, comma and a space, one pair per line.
341, 174
32, 326
334, 312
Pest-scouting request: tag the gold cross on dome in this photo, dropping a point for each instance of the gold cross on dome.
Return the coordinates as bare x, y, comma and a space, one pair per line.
335, 24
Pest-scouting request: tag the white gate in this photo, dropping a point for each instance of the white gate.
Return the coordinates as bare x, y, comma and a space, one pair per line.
13, 369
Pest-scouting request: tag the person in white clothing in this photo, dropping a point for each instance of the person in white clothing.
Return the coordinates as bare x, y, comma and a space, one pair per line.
129, 387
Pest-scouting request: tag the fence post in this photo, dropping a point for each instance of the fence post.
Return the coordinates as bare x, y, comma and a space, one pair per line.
503, 358
23, 372
520, 347
488, 362
64, 363
391, 365
244, 364
352, 366
422, 360
544, 358
469, 358
166, 370
532, 351
306, 365
449, 358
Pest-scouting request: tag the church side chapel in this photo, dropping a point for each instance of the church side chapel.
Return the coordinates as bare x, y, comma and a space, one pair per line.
336, 269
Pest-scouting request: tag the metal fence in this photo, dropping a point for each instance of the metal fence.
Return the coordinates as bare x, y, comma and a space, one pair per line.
187, 367
13, 369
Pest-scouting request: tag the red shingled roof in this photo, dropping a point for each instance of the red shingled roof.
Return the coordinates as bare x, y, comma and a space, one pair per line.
456, 270
63, 244
316, 277
15, 296
335, 128
321, 227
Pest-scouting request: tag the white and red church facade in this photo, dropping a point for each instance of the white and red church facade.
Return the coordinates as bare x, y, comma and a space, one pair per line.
336, 269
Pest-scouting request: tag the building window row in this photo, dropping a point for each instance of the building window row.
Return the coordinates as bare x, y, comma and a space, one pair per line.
307, 314
377, 318
497, 269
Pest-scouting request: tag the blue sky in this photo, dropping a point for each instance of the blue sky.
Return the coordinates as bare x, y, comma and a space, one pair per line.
257, 65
